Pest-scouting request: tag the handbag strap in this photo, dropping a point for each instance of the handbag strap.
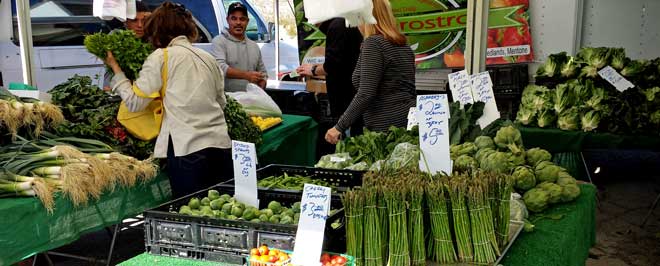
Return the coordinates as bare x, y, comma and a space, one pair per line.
163, 73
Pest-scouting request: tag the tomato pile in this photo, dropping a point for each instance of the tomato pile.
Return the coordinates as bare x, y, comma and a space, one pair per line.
265, 256
332, 260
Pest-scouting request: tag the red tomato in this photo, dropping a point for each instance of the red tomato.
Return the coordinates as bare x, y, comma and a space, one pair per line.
272, 258
454, 59
340, 260
255, 252
325, 258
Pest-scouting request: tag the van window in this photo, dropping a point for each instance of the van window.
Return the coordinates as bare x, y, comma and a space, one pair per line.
66, 22
252, 30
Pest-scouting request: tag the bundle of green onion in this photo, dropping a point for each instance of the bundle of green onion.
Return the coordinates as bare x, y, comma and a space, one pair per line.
43, 167
20, 112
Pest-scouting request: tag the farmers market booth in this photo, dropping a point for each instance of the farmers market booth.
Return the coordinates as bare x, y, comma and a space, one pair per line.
490, 169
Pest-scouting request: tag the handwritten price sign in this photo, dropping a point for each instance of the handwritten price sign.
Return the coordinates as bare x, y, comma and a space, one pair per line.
244, 156
315, 206
461, 87
433, 118
482, 89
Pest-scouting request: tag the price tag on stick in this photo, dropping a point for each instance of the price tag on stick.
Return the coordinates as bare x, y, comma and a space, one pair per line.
314, 209
433, 118
244, 156
461, 87
482, 89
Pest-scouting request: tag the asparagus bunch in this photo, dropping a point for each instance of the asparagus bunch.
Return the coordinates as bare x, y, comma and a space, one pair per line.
441, 247
353, 202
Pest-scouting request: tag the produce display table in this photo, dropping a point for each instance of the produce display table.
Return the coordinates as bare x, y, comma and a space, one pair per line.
556, 140
27, 228
562, 242
293, 142
567, 146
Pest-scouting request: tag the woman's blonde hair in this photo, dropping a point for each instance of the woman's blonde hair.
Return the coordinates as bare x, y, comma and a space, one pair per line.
386, 23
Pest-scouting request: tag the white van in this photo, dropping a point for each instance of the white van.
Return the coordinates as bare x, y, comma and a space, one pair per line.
59, 28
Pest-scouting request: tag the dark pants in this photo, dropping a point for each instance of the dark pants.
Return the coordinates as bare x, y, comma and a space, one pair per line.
199, 170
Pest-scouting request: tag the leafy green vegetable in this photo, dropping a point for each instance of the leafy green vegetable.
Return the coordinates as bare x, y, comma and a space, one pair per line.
239, 124
590, 120
526, 116
570, 68
618, 58
569, 119
463, 122
552, 66
634, 68
563, 98
129, 51
546, 118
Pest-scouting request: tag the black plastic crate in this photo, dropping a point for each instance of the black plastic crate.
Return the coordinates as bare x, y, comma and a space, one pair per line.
172, 234
508, 80
340, 179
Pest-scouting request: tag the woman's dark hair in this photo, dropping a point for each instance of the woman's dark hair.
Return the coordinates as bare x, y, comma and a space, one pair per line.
141, 7
167, 22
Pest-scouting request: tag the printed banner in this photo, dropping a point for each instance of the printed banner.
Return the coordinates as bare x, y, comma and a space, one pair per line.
436, 31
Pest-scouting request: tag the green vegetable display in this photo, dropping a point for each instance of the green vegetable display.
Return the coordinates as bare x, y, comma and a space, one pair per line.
293, 182
577, 98
226, 207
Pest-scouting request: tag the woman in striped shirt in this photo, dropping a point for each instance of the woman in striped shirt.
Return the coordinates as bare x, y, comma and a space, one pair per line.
384, 77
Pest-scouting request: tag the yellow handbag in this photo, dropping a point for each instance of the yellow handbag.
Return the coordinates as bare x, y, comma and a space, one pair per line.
145, 125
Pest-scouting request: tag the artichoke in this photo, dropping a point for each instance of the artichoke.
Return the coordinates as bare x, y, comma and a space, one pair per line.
465, 163
523, 178
547, 172
566, 180
537, 155
467, 148
483, 153
483, 142
516, 160
536, 199
569, 192
497, 162
554, 191
509, 138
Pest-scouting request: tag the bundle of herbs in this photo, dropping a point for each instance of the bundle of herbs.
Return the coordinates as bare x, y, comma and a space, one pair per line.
129, 51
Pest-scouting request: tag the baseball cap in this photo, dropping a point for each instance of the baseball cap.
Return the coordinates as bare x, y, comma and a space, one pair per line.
237, 6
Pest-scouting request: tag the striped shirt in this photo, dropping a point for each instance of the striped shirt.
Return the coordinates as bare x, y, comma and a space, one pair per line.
385, 79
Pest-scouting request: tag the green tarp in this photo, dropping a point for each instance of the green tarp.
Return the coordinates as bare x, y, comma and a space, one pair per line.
26, 227
293, 142
556, 140
562, 242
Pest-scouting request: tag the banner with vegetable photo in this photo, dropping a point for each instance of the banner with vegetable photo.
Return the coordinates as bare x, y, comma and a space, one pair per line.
436, 31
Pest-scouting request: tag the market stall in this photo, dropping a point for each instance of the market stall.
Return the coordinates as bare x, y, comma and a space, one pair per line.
29, 229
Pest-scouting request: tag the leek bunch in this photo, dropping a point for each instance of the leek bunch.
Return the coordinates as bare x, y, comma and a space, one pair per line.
17, 113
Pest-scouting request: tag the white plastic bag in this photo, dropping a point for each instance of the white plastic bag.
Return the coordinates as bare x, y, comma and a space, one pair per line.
317, 11
256, 102
109, 9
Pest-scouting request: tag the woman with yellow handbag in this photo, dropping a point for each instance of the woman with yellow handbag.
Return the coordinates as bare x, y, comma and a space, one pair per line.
178, 98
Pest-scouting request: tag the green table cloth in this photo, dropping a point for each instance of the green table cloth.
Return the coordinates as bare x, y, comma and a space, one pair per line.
293, 142
556, 140
562, 242
26, 228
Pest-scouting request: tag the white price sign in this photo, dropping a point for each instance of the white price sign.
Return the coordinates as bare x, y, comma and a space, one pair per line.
314, 209
433, 117
244, 156
461, 87
482, 89
619, 82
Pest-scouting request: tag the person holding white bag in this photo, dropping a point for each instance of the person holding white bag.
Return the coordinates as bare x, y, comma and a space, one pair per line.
384, 77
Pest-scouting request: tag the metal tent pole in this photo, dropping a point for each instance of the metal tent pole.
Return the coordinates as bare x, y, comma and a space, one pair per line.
25, 40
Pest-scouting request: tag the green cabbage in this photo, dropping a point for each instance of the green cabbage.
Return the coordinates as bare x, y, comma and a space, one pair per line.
483, 142
509, 138
536, 199
553, 190
524, 178
547, 172
537, 155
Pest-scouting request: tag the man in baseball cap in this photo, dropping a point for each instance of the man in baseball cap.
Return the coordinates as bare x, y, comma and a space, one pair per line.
238, 56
